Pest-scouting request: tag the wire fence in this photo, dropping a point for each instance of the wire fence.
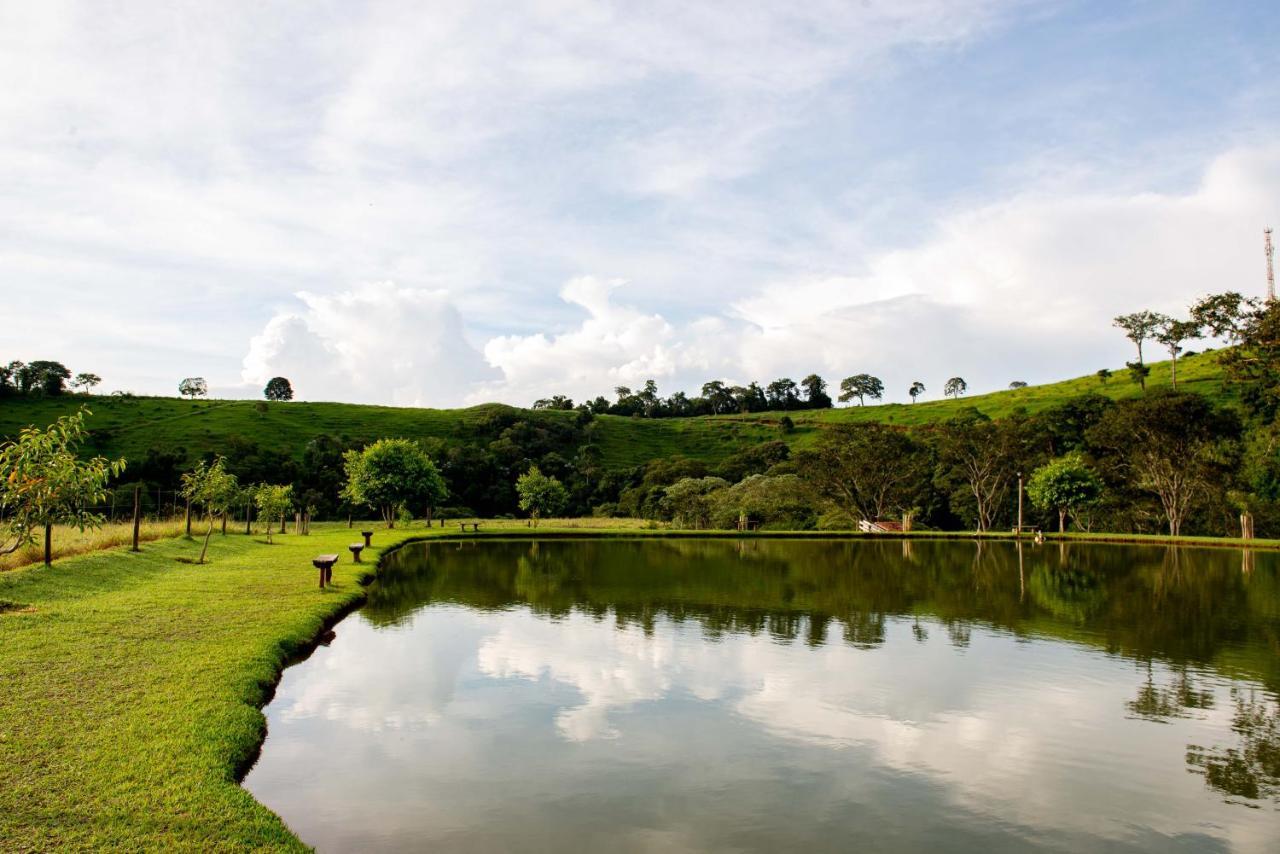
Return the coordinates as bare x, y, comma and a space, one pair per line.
153, 505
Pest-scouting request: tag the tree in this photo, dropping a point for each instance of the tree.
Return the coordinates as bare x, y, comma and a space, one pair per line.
1138, 372
1253, 366
391, 474
1225, 315
1139, 326
540, 495
85, 382
558, 401
47, 378
979, 458
1017, 384
718, 396
1171, 333
273, 502
278, 388
213, 489
1174, 445
815, 392
688, 501
1064, 484
43, 482
1103, 375
781, 394
955, 387
866, 470
193, 387
917, 389
861, 386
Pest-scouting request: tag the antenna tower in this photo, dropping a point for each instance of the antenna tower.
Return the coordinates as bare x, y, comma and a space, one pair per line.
1271, 272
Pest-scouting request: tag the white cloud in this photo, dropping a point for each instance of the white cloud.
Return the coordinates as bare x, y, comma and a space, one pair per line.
377, 343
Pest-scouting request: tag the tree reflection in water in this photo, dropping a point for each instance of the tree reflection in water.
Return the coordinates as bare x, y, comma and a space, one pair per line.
1188, 610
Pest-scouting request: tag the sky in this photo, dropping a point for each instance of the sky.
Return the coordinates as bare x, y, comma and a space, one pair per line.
442, 204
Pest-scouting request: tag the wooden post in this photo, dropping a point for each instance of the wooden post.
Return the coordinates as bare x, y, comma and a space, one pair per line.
248, 517
188, 517
1020, 504
137, 515
224, 523
1246, 526
48, 543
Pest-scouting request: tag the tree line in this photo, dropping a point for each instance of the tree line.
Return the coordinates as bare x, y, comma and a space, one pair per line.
43, 378
719, 397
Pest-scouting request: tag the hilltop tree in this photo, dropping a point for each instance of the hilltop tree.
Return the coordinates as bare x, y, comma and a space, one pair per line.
1139, 327
391, 474
1138, 372
815, 392
1103, 375
717, 396
558, 401
1171, 333
273, 502
43, 482
1017, 384
781, 394
43, 377
861, 386
540, 495
1065, 484
85, 382
278, 388
193, 387
917, 389
955, 387
1225, 315
212, 488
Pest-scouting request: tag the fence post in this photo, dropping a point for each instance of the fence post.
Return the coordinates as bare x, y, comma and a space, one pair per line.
137, 515
188, 517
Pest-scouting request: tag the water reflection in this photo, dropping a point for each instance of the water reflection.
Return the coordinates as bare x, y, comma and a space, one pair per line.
764, 695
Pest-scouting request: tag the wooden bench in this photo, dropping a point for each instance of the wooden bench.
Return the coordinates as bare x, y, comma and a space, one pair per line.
475, 526
355, 549
325, 563
367, 536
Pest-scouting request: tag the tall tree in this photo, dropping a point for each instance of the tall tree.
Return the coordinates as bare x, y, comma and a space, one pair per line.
861, 386
955, 387
278, 388
391, 474
1225, 315
193, 387
866, 470
781, 394
85, 382
1174, 445
1139, 327
979, 459
917, 389
1171, 333
44, 482
718, 396
815, 392
1253, 366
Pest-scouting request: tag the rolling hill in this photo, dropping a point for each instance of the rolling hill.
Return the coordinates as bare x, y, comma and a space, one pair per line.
129, 426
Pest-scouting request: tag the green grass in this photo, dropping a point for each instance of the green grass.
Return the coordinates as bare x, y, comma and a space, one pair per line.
128, 427
133, 682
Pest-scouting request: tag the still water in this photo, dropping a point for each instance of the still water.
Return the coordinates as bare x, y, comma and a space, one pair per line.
748, 695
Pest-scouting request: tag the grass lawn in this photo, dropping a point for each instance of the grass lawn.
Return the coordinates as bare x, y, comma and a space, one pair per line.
131, 687
132, 682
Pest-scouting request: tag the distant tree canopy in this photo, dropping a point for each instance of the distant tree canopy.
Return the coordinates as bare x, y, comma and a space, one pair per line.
193, 387
278, 388
955, 387
43, 378
861, 386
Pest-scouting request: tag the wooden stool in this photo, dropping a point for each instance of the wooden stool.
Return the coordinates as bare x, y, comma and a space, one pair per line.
325, 563
356, 548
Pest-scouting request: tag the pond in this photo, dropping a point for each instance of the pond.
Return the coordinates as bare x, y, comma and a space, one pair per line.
757, 695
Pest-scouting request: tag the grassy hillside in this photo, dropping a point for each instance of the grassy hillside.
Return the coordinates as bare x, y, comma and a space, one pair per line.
128, 427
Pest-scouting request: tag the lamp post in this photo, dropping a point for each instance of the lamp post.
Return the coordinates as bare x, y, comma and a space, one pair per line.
1019, 504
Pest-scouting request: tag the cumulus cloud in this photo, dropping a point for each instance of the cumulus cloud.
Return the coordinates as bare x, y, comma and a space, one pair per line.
376, 343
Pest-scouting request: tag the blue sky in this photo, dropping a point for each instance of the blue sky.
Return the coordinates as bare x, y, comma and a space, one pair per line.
439, 204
